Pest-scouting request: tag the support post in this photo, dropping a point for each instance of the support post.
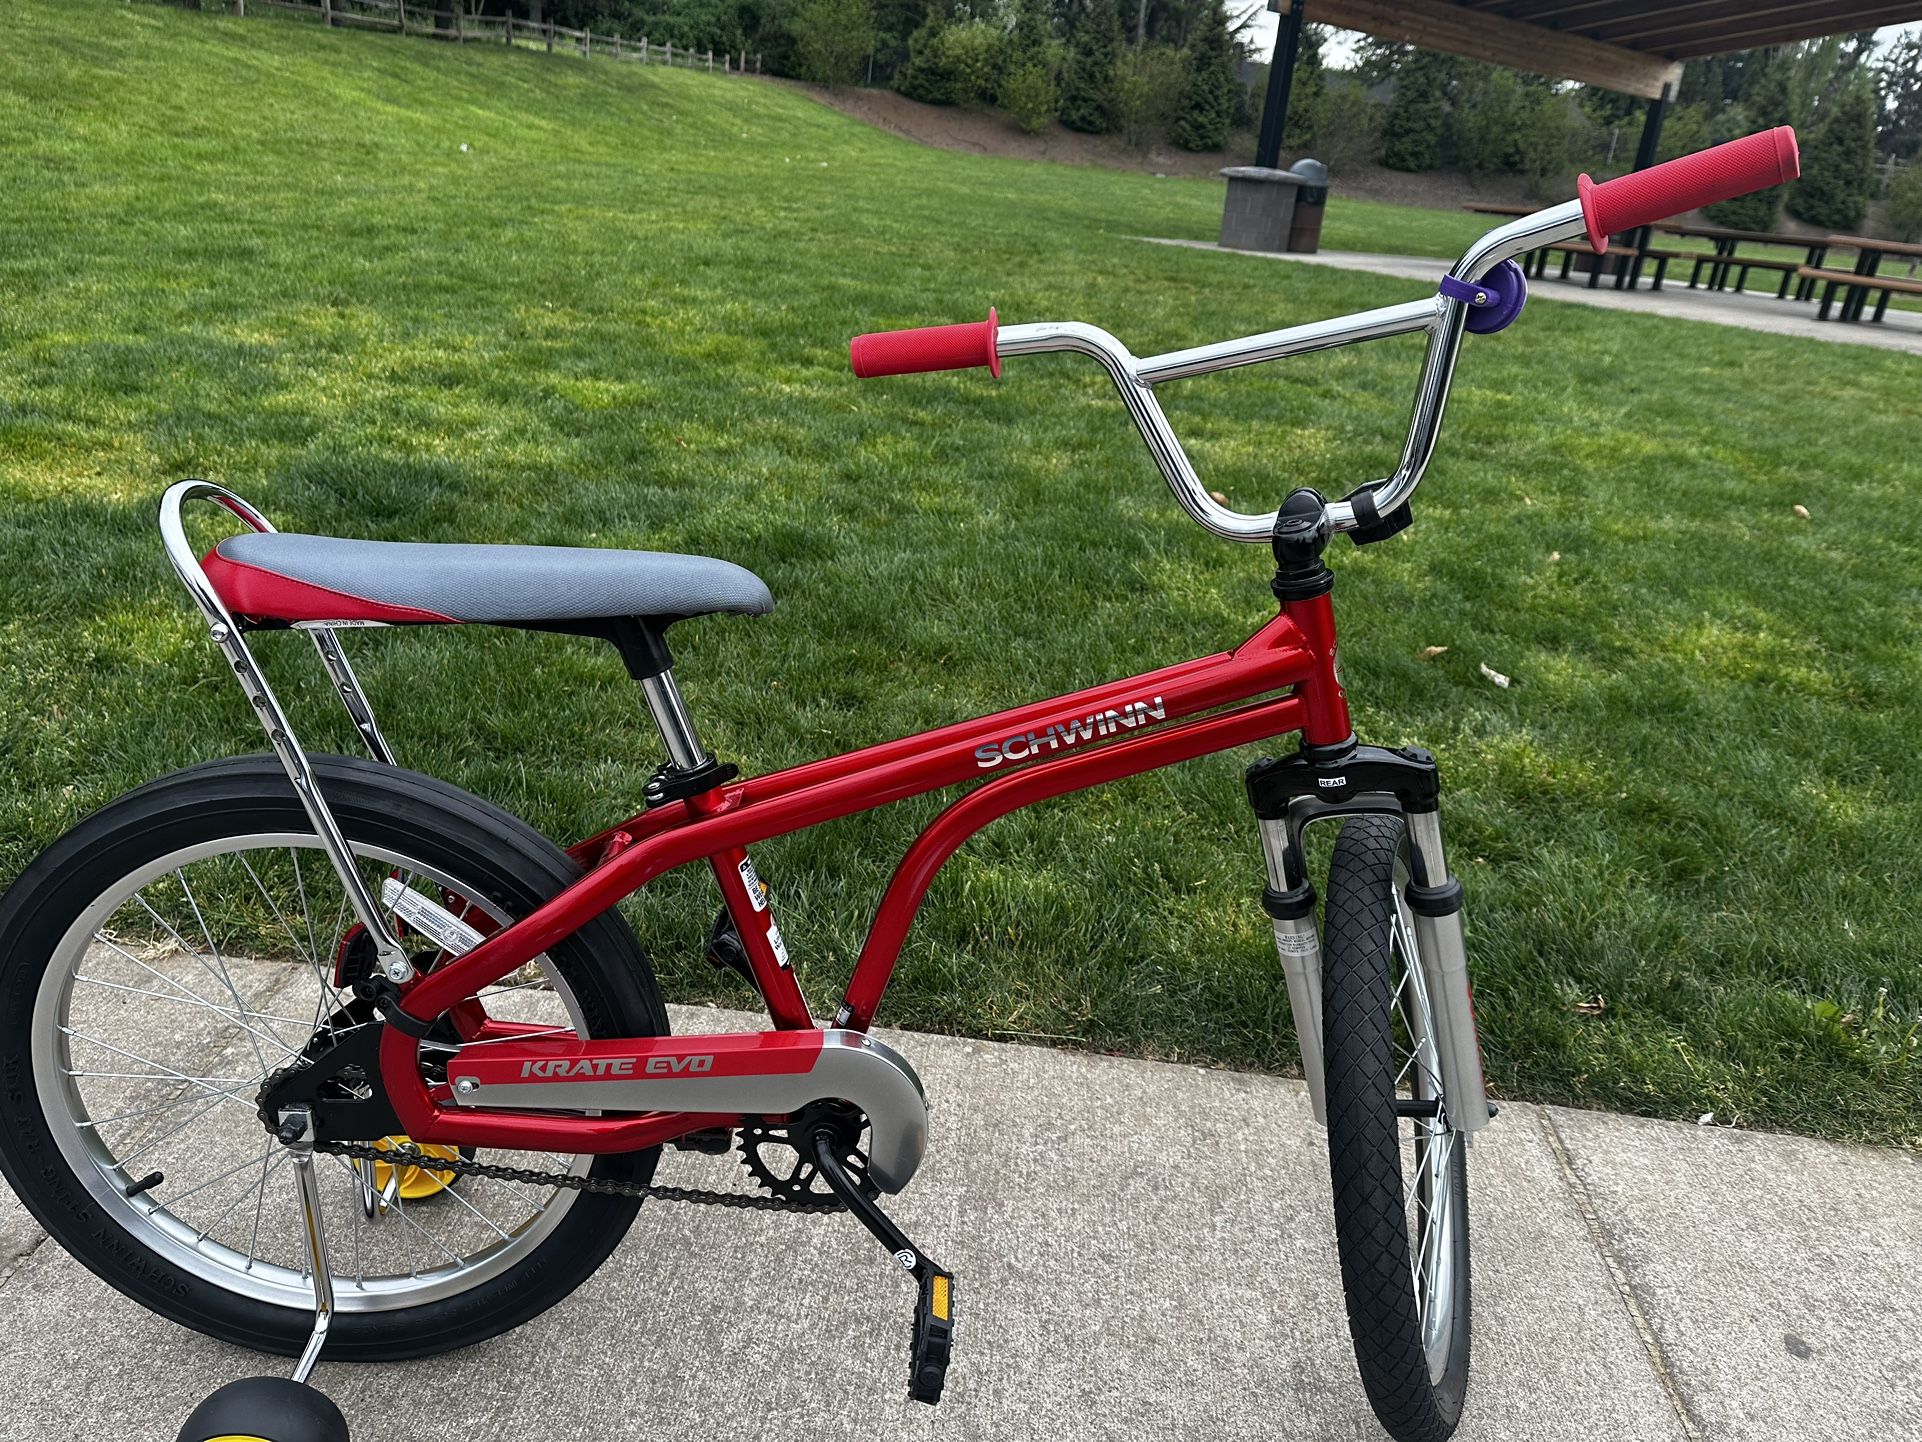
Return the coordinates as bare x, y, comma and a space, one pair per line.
1281, 71
1645, 150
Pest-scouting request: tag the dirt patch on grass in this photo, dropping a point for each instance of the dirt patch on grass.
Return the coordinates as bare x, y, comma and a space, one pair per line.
987, 132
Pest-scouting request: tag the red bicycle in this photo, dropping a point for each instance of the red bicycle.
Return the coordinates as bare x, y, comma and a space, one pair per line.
434, 1021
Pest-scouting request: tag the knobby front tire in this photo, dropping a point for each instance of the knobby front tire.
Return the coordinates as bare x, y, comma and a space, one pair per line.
164, 955
1404, 1249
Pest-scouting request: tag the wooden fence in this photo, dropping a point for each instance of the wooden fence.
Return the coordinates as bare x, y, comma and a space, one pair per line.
458, 27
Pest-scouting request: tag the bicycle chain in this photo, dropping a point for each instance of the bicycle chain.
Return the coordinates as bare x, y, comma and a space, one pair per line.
407, 1154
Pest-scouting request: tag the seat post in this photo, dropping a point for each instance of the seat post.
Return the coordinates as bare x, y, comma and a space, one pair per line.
664, 702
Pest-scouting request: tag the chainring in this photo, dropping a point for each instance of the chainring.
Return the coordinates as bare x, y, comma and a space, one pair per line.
786, 1168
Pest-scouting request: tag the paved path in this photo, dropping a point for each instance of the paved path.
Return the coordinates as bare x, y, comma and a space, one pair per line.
1145, 1252
1750, 310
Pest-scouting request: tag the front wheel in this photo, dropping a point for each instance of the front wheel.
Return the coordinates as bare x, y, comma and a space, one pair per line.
164, 956
1404, 1248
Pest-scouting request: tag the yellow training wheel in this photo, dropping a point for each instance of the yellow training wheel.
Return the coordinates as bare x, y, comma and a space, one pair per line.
416, 1182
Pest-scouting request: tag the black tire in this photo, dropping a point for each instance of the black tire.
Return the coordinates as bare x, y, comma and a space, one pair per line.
1417, 1397
376, 806
266, 1409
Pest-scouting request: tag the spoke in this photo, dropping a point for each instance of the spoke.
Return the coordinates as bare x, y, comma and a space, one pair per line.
400, 1210
267, 1164
178, 1197
95, 1123
238, 1081
224, 977
306, 911
328, 1000
205, 1083
227, 1012
260, 1199
167, 1136
449, 1191
187, 993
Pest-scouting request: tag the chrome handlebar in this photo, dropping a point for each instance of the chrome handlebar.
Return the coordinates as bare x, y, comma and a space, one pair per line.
1443, 318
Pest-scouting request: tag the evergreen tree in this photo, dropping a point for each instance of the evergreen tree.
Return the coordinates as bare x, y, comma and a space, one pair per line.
1411, 134
1088, 72
1210, 91
924, 75
1307, 88
1838, 168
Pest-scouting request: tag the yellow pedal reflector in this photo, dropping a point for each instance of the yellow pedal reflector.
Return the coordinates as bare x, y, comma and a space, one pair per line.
416, 1182
939, 1301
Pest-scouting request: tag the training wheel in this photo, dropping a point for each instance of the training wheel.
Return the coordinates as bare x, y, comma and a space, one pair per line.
265, 1409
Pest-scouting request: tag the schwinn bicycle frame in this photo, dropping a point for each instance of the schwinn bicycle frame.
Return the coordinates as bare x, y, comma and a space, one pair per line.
1283, 679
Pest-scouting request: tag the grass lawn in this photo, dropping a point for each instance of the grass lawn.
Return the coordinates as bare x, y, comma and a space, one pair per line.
393, 289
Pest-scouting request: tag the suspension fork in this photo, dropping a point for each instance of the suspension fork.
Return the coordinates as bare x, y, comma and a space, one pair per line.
1319, 783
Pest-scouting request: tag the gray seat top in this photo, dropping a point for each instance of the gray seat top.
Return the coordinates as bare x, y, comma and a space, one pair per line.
505, 585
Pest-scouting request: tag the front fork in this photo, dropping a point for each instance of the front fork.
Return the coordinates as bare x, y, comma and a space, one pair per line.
1323, 782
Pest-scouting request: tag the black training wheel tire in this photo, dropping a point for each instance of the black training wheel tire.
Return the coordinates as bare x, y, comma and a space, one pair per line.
265, 1409
1367, 1147
378, 806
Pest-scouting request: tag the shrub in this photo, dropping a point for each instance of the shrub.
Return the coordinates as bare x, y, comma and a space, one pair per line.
1210, 92
832, 40
1838, 168
1028, 94
1088, 71
952, 64
1902, 216
1147, 88
1347, 126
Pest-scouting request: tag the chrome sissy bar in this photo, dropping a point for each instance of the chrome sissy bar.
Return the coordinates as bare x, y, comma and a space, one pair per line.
226, 634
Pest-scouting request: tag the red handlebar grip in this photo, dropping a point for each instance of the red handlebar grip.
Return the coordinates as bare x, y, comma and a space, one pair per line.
1755, 162
930, 348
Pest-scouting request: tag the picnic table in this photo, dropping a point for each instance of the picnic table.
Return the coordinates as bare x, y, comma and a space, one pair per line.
1535, 263
1725, 258
1856, 284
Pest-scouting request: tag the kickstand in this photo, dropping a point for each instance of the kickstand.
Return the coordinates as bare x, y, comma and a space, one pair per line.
932, 1341
296, 1133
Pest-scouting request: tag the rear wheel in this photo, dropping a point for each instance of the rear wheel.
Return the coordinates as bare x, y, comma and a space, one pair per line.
1400, 1170
158, 961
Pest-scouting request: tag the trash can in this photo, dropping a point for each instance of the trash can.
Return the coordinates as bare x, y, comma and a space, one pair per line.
1264, 209
1304, 229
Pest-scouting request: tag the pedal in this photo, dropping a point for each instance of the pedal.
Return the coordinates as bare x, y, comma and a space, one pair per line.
715, 1141
931, 1344
933, 1340
725, 951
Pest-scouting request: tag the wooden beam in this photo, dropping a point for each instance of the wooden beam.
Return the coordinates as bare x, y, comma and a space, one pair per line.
1439, 25
1740, 35
1655, 29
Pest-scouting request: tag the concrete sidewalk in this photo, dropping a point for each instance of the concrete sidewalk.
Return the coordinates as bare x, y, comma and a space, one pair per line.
1144, 1251
1747, 310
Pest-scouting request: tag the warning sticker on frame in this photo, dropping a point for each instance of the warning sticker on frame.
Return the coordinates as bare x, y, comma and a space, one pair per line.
756, 893
1296, 943
774, 940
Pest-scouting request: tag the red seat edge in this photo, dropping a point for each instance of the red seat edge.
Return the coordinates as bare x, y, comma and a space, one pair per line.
264, 595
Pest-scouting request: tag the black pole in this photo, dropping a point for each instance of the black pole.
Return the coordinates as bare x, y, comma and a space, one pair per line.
1281, 72
1645, 157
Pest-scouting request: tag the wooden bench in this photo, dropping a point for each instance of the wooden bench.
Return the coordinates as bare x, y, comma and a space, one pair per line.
1742, 265
1833, 280
1568, 250
1661, 259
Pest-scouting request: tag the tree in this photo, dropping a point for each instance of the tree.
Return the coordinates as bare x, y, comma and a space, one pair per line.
1088, 70
924, 76
832, 40
1028, 91
1211, 91
1899, 77
1903, 215
1411, 133
1838, 168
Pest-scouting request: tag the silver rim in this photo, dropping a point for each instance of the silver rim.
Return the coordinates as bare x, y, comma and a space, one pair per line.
159, 1015
1432, 1219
